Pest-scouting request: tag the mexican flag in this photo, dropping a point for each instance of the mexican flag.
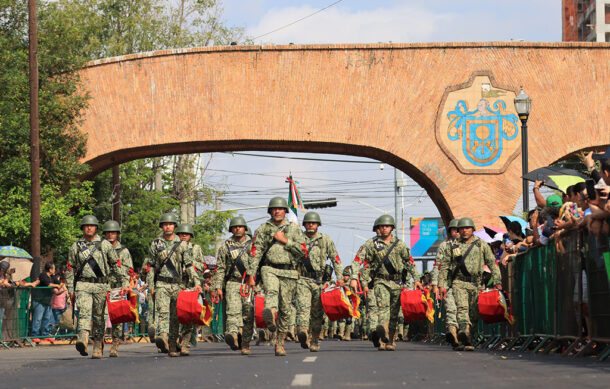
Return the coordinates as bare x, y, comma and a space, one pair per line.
294, 197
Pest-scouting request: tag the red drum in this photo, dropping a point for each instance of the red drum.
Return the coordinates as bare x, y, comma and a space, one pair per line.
416, 305
340, 303
122, 306
494, 307
193, 308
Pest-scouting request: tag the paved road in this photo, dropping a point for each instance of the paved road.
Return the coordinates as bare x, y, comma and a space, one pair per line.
339, 365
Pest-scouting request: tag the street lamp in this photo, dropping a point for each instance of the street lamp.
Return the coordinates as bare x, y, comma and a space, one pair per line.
522, 106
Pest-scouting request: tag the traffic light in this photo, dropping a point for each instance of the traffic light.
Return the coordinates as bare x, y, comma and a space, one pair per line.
316, 204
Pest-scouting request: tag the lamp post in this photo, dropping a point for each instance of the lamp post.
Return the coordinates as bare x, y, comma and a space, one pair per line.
522, 106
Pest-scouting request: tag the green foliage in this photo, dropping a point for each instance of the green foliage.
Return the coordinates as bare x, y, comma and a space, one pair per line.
59, 216
207, 228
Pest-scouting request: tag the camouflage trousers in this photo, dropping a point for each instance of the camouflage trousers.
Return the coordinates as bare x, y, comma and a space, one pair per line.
372, 317
345, 328
91, 302
166, 296
239, 311
279, 293
466, 297
309, 305
387, 294
292, 318
450, 310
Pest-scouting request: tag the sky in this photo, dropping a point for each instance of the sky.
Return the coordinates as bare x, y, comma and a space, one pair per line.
363, 190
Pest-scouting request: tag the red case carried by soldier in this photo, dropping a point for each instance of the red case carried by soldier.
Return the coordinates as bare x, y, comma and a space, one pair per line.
339, 304
494, 307
122, 308
193, 308
416, 305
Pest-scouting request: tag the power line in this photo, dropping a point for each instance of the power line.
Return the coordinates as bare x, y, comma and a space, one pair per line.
296, 21
304, 158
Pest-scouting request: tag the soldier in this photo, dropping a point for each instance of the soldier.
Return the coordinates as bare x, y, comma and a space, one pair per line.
369, 302
170, 258
231, 267
111, 230
94, 260
279, 246
151, 316
185, 233
390, 264
463, 273
320, 248
443, 255
346, 326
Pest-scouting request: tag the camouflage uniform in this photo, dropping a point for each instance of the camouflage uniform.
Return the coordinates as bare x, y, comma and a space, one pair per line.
117, 282
91, 290
370, 314
189, 332
151, 315
466, 287
443, 256
320, 248
239, 309
387, 286
278, 268
168, 284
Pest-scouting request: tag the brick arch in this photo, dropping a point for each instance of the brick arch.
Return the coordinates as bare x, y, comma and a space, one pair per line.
380, 101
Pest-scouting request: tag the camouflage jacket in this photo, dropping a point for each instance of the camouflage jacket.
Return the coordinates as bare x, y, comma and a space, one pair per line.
196, 254
400, 258
275, 253
320, 247
181, 261
225, 260
479, 256
360, 261
104, 255
442, 256
126, 263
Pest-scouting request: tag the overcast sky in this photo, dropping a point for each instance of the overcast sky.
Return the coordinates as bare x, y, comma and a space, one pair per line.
252, 180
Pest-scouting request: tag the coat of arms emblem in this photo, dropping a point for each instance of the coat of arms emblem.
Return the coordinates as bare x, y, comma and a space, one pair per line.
477, 125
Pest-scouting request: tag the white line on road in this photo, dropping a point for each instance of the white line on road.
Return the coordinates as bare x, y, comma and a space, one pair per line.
301, 380
310, 359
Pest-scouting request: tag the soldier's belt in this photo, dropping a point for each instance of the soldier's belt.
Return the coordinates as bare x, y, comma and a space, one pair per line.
234, 279
285, 266
470, 280
313, 278
169, 280
387, 277
93, 280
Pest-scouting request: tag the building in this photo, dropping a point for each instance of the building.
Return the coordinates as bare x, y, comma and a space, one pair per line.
586, 20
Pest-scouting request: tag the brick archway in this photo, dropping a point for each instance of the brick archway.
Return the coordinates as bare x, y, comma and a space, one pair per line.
378, 101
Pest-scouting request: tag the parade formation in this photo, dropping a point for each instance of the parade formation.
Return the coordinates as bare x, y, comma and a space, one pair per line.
286, 269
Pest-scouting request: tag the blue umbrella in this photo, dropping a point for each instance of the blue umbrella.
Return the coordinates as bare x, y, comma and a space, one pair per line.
14, 252
509, 219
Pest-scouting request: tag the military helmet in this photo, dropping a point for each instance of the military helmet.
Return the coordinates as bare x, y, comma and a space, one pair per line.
384, 220
168, 217
453, 224
111, 226
185, 228
237, 221
465, 222
89, 220
312, 217
277, 202
248, 231
347, 271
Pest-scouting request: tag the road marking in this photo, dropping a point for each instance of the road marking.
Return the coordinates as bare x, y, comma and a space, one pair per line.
301, 380
310, 359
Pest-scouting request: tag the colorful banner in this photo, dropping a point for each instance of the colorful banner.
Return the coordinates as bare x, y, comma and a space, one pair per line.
426, 235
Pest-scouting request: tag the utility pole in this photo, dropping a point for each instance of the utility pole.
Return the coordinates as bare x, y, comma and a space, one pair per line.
400, 182
34, 134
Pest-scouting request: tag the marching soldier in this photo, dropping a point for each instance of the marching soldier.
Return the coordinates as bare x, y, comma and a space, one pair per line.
390, 264
346, 326
231, 267
279, 246
443, 255
91, 261
151, 317
111, 230
170, 257
185, 233
320, 248
463, 273
369, 302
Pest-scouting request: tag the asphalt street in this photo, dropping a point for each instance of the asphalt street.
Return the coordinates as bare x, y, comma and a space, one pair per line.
338, 365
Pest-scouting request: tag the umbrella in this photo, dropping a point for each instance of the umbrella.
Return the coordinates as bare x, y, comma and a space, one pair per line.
493, 231
14, 252
482, 234
489, 234
556, 177
509, 219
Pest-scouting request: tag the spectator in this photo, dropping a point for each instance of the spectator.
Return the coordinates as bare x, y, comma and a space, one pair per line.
58, 301
41, 305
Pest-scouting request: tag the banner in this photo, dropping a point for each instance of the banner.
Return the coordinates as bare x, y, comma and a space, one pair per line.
426, 235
